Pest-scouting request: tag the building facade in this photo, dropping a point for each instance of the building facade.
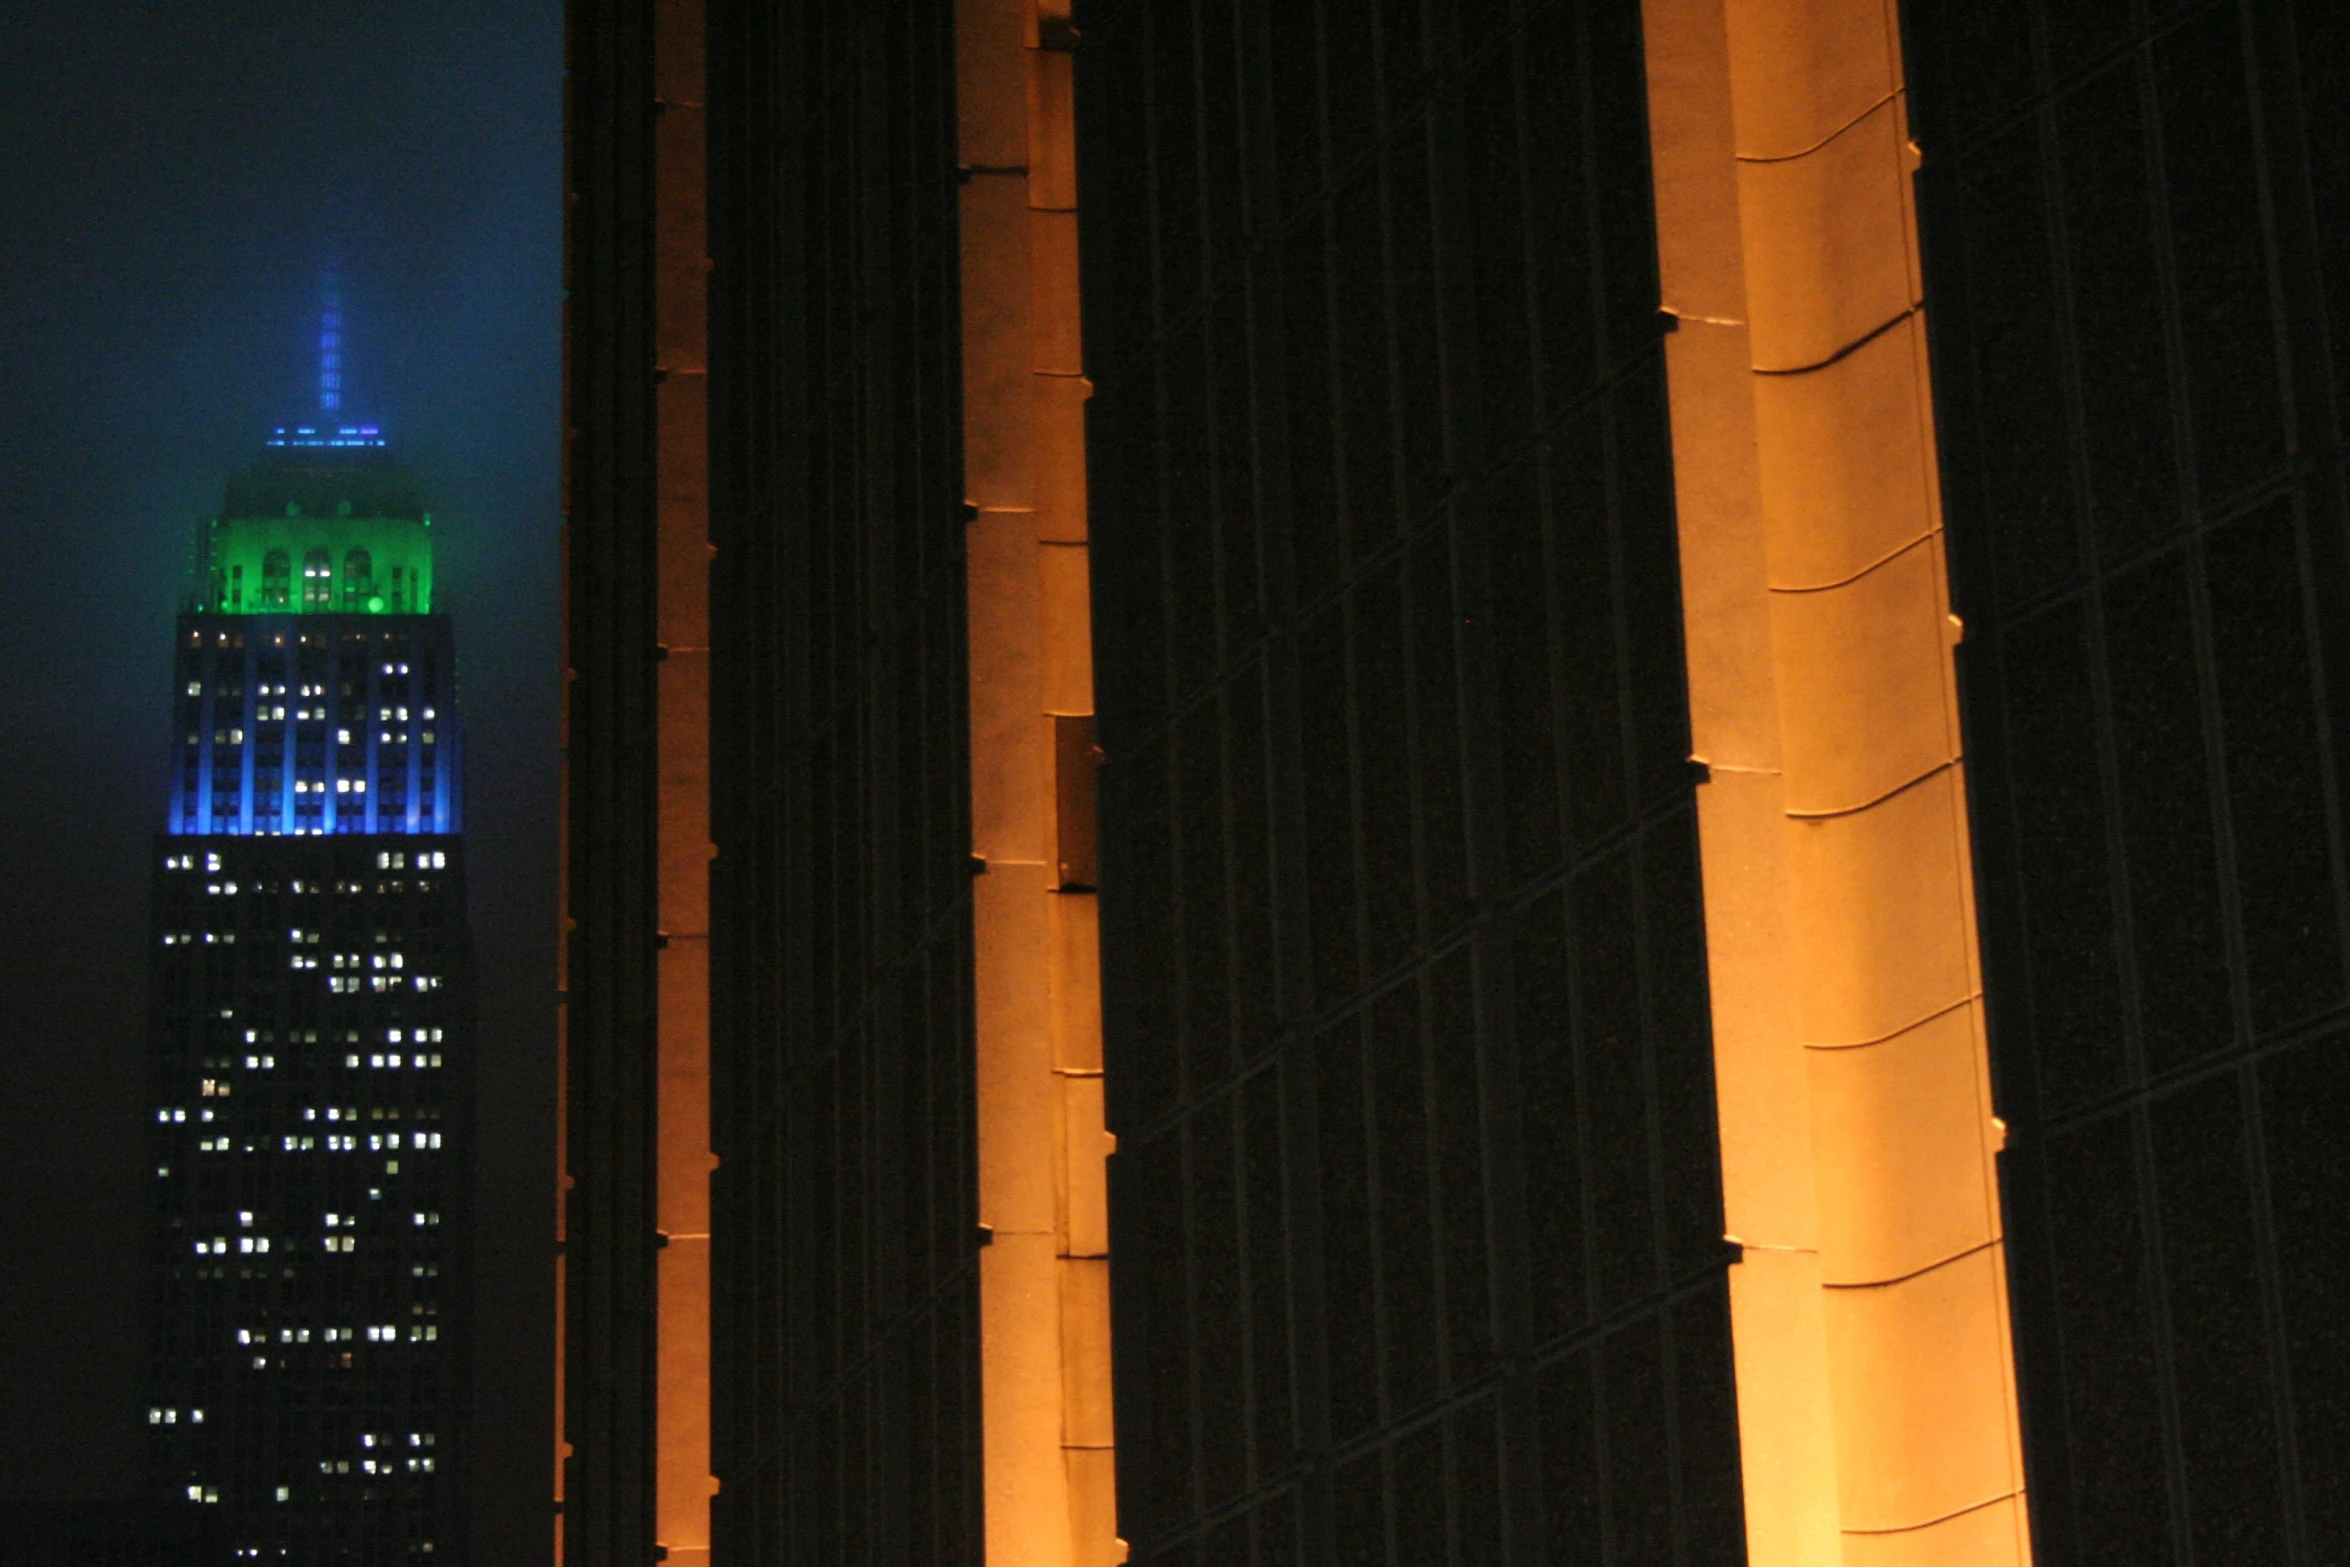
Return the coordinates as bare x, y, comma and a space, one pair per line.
1519, 783
311, 1026
2136, 266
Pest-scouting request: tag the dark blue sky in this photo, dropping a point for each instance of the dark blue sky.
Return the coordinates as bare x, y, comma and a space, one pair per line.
178, 173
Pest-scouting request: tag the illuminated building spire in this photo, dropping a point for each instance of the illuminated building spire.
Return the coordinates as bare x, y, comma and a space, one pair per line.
330, 349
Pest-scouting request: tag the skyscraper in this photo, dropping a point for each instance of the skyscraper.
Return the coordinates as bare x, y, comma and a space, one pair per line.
310, 1020
1712, 637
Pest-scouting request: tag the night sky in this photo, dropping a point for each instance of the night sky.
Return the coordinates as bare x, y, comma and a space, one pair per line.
178, 174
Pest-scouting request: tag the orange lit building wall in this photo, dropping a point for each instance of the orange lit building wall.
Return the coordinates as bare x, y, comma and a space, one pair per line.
1044, 1275
681, 1477
1876, 1387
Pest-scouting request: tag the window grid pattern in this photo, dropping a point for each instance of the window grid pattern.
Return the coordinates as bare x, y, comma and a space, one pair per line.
846, 1424
316, 724
312, 1169
2137, 258
1415, 1208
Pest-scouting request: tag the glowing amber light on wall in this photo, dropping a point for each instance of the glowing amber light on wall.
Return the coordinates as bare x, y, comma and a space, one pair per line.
682, 1484
1875, 1384
1044, 1288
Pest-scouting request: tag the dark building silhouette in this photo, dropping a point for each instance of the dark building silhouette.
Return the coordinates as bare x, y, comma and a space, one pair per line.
1403, 951
106, 1534
632, 1467
2135, 248
605, 1229
847, 1403
310, 1024
1632, 705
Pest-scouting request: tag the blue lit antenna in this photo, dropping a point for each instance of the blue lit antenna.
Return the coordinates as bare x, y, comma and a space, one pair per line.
330, 349
329, 431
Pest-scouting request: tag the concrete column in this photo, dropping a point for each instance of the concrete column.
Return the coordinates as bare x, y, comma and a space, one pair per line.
1875, 1379
682, 1482
1044, 1288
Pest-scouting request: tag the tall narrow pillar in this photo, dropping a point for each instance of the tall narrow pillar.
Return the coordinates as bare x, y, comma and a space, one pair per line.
1044, 1296
1875, 1381
682, 1164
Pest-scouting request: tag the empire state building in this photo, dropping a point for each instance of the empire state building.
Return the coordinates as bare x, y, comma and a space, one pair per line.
311, 1020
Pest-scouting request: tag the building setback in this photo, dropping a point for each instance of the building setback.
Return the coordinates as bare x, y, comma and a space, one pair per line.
1689, 652
311, 1027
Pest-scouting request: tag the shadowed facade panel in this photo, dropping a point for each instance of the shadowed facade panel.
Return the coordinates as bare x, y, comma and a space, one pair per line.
2133, 239
1416, 1200
606, 1216
846, 1420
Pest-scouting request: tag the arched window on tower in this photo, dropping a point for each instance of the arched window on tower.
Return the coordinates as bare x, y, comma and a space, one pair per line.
277, 570
358, 580
318, 580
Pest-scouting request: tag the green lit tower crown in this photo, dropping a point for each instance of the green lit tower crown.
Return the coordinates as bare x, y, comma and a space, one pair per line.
311, 1019
320, 685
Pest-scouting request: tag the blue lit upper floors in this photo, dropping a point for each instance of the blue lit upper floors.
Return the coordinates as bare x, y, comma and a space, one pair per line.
313, 725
